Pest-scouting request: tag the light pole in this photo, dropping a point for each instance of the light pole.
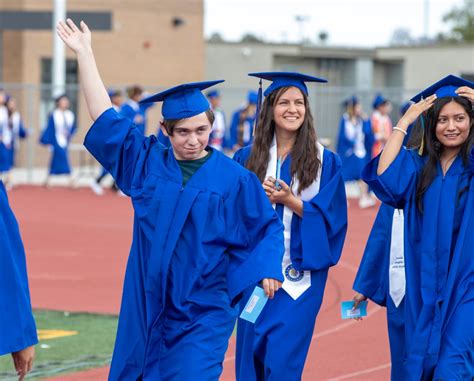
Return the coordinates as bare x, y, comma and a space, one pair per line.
58, 66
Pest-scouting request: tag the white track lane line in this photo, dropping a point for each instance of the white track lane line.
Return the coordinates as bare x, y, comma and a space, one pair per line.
360, 372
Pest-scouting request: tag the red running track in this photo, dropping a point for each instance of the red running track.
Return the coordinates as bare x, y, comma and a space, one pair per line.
77, 246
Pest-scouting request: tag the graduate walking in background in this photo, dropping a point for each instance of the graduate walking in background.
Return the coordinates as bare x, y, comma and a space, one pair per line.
57, 135
218, 128
434, 186
134, 110
116, 99
17, 325
15, 131
354, 147
303, 180
204, 230
242, 124
381, 123
5, 135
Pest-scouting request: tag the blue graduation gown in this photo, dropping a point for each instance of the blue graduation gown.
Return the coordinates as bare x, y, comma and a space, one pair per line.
138, 116
21, 135
5, 158
163, 139
234, 127
276, 346
351, 164
195, 249
17, 325
372, 281
9, 155
59, 164
439, 300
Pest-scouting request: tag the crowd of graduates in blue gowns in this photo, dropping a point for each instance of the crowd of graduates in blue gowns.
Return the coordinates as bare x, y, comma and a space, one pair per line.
208, 229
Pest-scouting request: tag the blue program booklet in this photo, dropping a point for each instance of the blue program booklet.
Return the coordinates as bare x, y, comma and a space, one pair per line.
348, 313
255, 305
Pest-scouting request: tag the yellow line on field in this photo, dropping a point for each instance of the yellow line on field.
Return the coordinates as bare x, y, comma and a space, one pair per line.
47, 334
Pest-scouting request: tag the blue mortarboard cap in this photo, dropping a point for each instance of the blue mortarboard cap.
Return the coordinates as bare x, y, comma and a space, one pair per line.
213, 94
351, 101
284, 79
378, 100
183, 101
445, 87
252, 97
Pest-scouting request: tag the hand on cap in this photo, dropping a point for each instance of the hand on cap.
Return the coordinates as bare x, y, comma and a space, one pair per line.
415, 110
77, 40
467, 92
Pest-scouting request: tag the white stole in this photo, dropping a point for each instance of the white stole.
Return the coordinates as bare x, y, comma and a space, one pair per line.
396, 272
296, 282
63, 122
5, 132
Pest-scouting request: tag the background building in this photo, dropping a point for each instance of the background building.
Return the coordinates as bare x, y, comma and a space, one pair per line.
151, 43
396, 72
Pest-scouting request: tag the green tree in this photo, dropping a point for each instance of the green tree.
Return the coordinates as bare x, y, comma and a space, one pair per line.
461, 20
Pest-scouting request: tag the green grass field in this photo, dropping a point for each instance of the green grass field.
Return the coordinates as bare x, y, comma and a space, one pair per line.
90, 348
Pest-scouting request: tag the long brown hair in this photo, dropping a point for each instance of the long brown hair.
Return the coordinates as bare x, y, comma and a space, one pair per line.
433, 147
304, 153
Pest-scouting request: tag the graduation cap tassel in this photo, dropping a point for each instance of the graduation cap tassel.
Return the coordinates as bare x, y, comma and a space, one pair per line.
259, 105
422, 142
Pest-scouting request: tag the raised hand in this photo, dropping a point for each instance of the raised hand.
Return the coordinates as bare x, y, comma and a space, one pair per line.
77, 40
416, 110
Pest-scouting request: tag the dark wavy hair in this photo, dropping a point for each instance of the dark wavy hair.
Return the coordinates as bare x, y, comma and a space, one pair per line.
432, 146
304, 154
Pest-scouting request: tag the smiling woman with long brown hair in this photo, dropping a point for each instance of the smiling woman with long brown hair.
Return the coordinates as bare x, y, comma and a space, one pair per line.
303, 181
434, 187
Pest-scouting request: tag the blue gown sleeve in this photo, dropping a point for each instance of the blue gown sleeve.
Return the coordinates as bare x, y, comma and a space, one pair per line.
73, 129
22, 132
343, 144
369, 138
127, 112
256, 237
118, 146
317, 238
372, 276
240, 156
17, 325
234, 124
397, 183
48, 136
